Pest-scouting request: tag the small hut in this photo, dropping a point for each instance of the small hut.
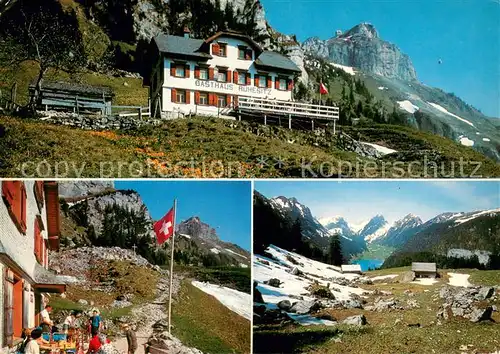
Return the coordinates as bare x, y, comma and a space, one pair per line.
75, 97
351, 268
424, 270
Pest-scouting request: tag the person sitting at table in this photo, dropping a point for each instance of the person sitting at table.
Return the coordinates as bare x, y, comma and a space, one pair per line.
32, 346
69, 322
106, 346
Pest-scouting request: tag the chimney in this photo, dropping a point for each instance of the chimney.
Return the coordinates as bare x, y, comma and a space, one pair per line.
187, 32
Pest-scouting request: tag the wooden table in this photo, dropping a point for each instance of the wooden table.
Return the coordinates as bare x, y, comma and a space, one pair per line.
58, 347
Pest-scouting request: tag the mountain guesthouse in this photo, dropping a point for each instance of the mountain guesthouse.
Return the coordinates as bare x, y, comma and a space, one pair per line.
29, 227
351, 269
206, 76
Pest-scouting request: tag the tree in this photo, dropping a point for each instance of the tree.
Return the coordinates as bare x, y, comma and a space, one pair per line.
41, 31
335, 251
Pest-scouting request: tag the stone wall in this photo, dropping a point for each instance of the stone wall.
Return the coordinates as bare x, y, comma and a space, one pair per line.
113, 122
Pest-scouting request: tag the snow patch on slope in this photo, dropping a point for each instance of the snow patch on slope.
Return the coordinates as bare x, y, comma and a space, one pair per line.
382, 149
466, 141
280, 266
444, 110
237, 301
214, 250
382, 231
408, 106
475, 215
231, 251
347, 69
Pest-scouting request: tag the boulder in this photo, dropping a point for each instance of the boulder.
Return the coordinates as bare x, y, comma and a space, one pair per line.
358, 320
485, 292
382, 305
275, 316
273, 282
257, 295
296, 271
284, 305
83, 302
481, 314
170, 344
305, 306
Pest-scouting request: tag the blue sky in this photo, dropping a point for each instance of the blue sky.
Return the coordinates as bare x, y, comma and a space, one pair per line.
463, 33
358, 201
224, 205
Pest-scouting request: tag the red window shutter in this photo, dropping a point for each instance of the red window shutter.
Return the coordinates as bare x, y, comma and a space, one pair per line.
187, 71
172, 69
215, 49
197, 97
188, 97
229, 75
256, 81
23, 208
213, 99
174, 95
235, 77
39, 191
290, 85
228, 100
8, 192
277, 83
196, 72
269, 82
249, 79
211, 73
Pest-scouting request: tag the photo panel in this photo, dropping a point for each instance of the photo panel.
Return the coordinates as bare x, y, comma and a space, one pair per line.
103, 266
376, 266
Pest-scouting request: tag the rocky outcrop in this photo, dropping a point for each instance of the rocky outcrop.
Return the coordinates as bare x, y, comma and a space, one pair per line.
470, 303
165, 341
79, 261
77, 189
194, 227
361, 47
97, 123
92, 209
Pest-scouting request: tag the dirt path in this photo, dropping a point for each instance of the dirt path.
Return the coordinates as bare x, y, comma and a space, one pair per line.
148, 314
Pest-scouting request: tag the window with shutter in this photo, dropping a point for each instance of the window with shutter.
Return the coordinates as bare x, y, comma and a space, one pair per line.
256, 81
269, 82
211, 73
196, 72
172, 69
203, 74
262, 82
14, 196
203, 98
249, 79
174, 96
215, 49
242, 79
187, 72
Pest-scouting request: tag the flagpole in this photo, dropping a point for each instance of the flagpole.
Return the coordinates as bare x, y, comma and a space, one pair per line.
171, 272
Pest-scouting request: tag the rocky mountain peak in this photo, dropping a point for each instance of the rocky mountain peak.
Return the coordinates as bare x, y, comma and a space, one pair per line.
194, 227
364, 29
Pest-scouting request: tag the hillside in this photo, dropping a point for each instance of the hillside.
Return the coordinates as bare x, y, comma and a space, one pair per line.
304, 306
172, 148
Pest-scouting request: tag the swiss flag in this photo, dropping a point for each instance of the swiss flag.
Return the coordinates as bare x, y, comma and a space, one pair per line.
322, 89
164, 228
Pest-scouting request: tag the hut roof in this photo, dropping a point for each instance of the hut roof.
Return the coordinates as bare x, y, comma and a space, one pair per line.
423, 267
